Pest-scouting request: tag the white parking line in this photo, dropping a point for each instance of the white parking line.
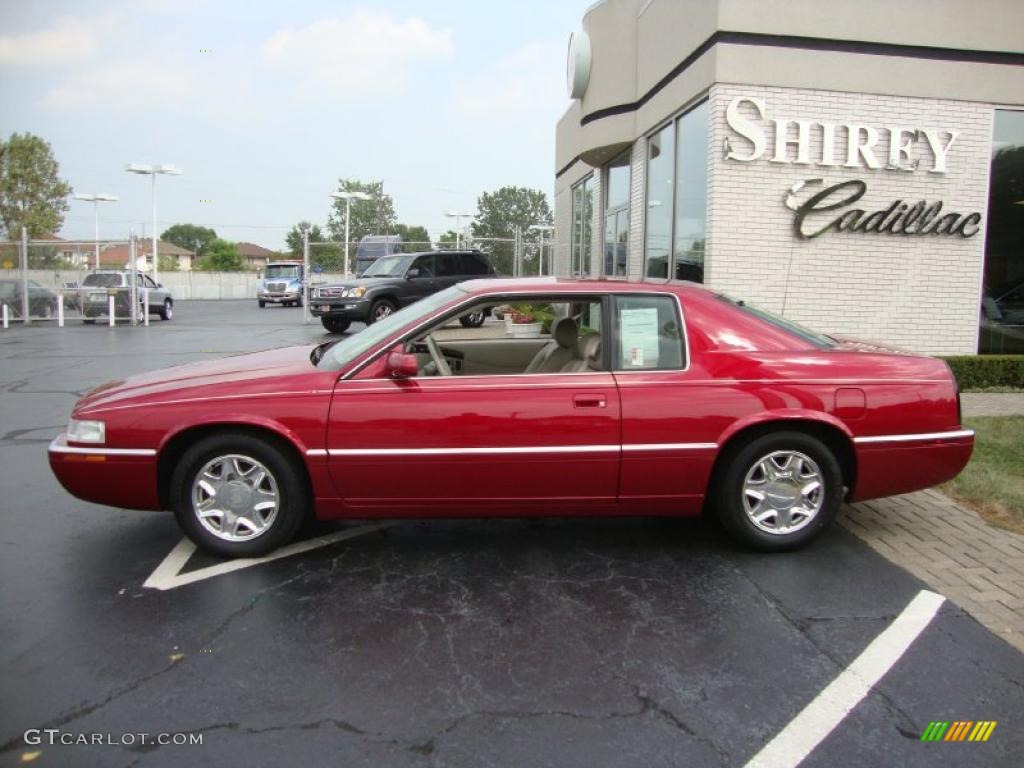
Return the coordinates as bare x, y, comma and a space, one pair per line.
168, 574
821, 716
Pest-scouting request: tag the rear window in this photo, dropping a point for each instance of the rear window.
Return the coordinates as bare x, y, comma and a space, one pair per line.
819, 340
100, 280
474, 265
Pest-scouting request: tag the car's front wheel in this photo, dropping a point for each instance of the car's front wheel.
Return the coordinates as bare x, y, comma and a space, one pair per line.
239, 495
335, 324
167, 310
380, 309
779, 491
261, 303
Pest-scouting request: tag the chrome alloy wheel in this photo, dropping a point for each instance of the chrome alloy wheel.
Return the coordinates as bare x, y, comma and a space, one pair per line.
783, 492
235, 497
382, 311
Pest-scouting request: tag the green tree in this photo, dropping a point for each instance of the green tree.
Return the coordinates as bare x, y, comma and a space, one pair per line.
293, 240
330, 257
448, 240
168, 263
500, 212
375, 216
222, 256
195, 238
416, 237
32, 194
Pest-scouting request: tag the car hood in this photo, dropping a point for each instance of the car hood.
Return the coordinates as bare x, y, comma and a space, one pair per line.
255, 373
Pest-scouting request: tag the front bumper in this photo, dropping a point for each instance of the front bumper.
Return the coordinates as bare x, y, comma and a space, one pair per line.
117, 477
352, 309
279, 297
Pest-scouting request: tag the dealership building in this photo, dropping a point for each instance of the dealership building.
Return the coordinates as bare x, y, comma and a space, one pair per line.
856, 165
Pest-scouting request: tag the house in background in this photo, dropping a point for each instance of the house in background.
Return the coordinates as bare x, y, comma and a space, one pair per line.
256, 256
116, 256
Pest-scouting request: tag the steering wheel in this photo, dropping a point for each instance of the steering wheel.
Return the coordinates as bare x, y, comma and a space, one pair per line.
435, 354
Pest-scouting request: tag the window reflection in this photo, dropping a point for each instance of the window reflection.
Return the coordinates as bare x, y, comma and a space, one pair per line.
1002, 302
616, 220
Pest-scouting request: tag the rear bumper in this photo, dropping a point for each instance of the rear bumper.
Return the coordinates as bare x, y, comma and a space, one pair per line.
117, 477
891, 464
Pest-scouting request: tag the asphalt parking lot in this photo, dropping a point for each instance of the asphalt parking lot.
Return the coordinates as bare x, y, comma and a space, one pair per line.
441, 643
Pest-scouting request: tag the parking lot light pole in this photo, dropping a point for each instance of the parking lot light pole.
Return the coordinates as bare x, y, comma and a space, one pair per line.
96, 199
458, 216
348, 197
540, 229
152, 171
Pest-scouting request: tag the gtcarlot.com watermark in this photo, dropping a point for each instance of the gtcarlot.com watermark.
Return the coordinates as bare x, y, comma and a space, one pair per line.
53, 736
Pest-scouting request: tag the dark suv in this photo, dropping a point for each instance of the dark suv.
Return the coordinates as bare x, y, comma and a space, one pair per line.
393, 282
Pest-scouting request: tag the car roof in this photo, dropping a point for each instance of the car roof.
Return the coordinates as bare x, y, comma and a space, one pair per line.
579, 285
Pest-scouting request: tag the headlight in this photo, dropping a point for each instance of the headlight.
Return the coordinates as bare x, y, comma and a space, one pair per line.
354, 292
86, 431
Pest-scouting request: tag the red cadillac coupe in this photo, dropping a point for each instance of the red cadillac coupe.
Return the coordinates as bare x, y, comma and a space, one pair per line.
590, 398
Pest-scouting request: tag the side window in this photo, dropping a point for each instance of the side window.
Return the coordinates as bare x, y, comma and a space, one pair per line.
149, 283
141, 279
448, 265
648, 334
425, 264
473, 265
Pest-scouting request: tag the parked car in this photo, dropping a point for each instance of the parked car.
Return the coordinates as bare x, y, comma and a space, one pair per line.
42, 302
373, 247
645, 399
97, 286
283, 282
393, 282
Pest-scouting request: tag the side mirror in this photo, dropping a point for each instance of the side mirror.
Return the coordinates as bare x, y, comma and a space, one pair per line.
159, 285
414, 272
403, 365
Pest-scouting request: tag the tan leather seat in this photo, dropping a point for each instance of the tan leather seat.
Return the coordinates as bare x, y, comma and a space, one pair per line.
559, 352
588, 355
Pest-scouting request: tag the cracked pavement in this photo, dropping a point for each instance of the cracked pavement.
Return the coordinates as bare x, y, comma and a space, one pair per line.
623, 642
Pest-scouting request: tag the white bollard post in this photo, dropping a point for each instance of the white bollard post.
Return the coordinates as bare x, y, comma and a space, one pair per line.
110, 309
7, 321
60, 310
145, 306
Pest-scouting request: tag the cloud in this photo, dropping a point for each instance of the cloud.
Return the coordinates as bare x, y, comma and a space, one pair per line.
526, 85
67, 39
364, 52
122, 86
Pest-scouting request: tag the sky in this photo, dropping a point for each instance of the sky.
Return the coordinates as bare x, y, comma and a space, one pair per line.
265, 105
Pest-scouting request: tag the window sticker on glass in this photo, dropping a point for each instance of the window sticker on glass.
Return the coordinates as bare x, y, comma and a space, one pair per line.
639, 334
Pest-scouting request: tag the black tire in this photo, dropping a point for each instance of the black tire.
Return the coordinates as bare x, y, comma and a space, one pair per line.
473, 319
335, 324
284, 468
89, 320
167, 310
729, 498
298, 302
262, 304
380, 309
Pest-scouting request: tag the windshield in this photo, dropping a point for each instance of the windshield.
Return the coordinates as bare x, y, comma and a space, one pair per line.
102, 280
388, 266
355, 345
283, 270
817, 339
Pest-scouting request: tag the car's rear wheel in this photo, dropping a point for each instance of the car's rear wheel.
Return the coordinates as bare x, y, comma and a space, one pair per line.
380, 309
473, 319
239, 495
336, 324
779, 491
167, 310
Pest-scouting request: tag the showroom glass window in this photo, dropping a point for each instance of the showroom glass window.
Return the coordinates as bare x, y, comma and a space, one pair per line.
1002, 301
677, 193
660, 199
582, 226
616, 216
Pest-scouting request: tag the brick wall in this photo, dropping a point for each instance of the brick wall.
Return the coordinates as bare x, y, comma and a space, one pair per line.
917, 292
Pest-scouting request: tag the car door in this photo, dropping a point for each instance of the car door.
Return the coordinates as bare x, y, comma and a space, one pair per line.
156, 294
421, 279
449, 269
477, 445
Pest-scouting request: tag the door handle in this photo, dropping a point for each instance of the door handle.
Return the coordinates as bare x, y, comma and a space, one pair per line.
589, 401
